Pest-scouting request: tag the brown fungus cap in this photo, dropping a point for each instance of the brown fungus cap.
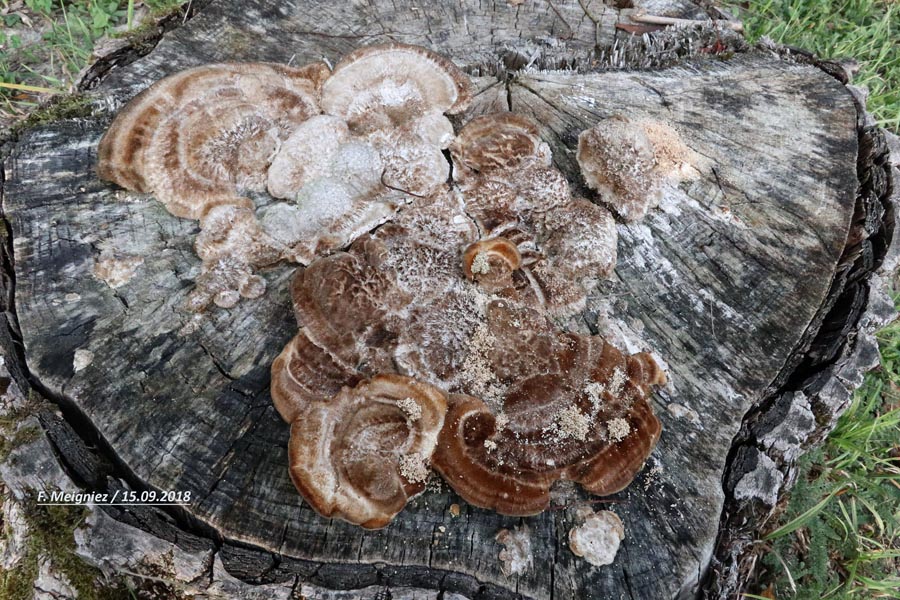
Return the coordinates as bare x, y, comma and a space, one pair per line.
500, 141
302, 374
198, 138
457, 291
576, 408
362, 454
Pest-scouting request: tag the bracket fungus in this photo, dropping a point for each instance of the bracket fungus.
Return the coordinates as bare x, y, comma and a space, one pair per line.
204, 136
360, 455
425, 302
628, 162
342, 148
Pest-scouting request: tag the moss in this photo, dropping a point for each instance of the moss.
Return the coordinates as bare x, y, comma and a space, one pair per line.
22, 436
50, 528
11, 435
18, 583
144, 37
69, 106
51, 533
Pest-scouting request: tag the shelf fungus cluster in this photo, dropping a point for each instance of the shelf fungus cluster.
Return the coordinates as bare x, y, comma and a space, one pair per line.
435, 266
340, 149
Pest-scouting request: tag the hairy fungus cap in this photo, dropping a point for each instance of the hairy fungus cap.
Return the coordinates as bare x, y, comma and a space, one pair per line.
359, 456
234, 232
387, 85
199, 138
401, 299
232, 245
307, 154
628, 162
344, 302
335, 182
395, 96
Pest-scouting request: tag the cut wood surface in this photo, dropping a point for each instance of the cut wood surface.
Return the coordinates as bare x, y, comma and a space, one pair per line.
723, 282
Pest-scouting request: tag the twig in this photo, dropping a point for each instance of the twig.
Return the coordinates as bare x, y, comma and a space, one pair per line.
561, 18
659, 20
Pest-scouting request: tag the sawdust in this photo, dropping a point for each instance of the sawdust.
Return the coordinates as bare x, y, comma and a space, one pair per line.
618, 429
478, 371
480, 265
502, 421
413, 468
571, 423
411, 408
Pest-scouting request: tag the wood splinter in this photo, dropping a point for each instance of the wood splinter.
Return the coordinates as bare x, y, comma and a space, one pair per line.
661, 20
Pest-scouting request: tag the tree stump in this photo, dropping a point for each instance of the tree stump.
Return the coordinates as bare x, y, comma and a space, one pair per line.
748, 282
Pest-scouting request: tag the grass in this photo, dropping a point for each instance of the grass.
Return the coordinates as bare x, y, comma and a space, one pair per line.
46, 44
866, 30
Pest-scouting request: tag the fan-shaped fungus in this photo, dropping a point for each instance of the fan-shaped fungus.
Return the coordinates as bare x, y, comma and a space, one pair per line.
360, 456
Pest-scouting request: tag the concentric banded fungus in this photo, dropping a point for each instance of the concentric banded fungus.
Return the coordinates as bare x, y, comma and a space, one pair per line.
209, 136
377, 87
491, 263
363, 453
425, 297
628, 162
582, 414
197, 138
395, 96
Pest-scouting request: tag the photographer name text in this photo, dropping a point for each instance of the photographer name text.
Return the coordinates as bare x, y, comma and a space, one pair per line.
116, 497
